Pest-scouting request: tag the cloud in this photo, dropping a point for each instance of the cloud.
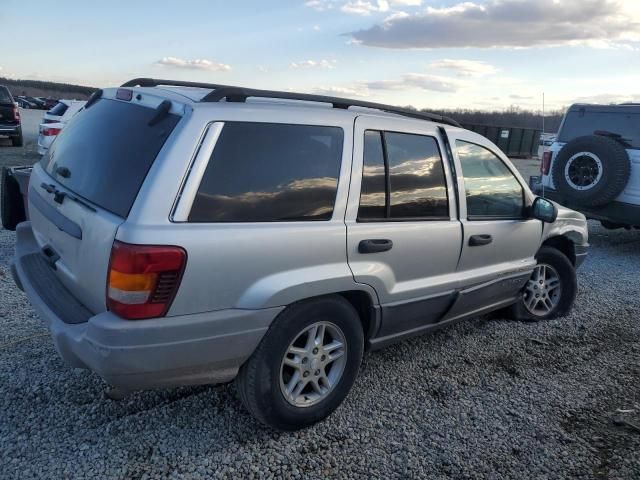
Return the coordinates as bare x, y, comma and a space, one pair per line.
508, 23
605, 98
320, 5
360, 7
521, 97
325, 64
407, 82
335, 91
197, 64
419, 81
465, 68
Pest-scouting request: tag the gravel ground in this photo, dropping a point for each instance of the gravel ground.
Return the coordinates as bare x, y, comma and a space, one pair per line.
488, 398
485, 399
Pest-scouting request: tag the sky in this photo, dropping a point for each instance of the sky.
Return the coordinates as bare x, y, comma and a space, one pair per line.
479, 54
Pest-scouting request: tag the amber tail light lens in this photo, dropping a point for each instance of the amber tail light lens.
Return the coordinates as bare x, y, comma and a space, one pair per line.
143, 279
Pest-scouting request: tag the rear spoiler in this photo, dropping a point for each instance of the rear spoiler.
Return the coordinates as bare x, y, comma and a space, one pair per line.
14, 185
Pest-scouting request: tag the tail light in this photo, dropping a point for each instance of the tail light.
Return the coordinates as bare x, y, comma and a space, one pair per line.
143, 279
545, 166
50, 132
16, 113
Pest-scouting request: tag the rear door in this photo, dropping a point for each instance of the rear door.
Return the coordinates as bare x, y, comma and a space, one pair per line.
500, 240
403, 237
85, 185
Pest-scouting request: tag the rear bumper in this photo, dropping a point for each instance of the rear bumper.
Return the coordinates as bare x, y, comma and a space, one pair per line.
182, 350
10, 130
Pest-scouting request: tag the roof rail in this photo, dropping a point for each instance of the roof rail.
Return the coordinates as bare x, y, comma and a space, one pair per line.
240, 94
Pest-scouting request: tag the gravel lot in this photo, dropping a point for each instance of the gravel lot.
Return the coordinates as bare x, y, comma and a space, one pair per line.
489, 398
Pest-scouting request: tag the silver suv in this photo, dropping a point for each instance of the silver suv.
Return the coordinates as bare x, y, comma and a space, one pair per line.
195, 234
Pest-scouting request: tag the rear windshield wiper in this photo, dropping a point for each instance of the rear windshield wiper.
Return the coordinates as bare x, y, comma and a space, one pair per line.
59, 196
161, 111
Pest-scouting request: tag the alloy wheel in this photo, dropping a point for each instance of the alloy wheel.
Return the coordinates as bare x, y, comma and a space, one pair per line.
313, 364
542, 291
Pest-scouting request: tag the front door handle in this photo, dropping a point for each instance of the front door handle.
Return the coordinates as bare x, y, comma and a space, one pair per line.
478, 240
375, 246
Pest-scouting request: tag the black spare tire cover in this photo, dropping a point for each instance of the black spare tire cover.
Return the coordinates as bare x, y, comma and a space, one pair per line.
11, 203
591, 170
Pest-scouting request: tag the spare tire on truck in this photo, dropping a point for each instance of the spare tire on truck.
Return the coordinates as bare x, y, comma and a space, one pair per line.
11, 202
591, 170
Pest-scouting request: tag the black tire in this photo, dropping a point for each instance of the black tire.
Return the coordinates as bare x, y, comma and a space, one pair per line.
615, 171
258, 381
568, 287
11, 202
17, 141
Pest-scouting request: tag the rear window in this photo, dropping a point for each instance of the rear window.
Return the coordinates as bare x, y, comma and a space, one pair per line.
108, 150
577, 124
5, 96
266, 172
58, 109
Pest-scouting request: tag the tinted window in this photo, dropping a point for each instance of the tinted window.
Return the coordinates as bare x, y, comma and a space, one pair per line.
58, 109
261, 172
491, 189
373, 190
108, 149
416, 176
5, 96
625, 124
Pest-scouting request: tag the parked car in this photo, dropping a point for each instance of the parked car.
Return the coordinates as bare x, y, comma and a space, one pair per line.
49, 102
24, 103
55, 120
10, 125
594, 164
40, 104
175, 238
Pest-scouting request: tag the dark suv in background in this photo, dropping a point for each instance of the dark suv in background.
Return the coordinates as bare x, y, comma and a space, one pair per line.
10, 118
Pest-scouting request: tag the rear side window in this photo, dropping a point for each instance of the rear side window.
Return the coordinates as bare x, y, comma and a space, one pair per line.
492, 191
577, 124
267, 172
108, 150
5, 96
59, 109
403, 178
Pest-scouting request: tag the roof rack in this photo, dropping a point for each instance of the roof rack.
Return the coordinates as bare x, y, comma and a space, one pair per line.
240, 94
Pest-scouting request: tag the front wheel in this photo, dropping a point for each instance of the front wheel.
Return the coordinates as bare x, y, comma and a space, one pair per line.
305, 365
551, 289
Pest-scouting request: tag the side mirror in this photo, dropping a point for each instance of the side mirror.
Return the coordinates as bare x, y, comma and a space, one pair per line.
544, 210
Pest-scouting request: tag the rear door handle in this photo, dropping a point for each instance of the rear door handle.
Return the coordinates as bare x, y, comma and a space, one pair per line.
375, 246
478, 240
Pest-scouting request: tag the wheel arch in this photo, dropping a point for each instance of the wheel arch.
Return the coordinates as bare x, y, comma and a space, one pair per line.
564, 244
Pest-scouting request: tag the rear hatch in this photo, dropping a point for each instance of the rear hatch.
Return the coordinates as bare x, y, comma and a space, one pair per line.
7, 116
86, 184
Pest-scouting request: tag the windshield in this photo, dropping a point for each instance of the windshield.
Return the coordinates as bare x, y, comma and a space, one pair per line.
106, 151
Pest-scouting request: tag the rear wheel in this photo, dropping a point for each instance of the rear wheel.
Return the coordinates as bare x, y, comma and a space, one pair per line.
305, 365
551, 289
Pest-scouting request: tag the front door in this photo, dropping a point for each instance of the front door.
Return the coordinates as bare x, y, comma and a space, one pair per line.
403, 237
500, 239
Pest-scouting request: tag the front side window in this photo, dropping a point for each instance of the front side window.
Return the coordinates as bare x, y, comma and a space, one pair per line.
267, 172
491, 189
403, 178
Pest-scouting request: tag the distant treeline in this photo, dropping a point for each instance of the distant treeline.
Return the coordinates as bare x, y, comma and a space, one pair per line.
40, 88
512, 117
